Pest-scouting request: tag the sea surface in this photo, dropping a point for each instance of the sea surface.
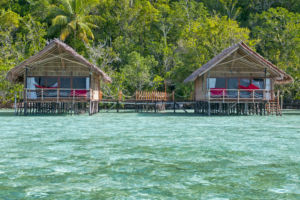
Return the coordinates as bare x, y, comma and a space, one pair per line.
149, 156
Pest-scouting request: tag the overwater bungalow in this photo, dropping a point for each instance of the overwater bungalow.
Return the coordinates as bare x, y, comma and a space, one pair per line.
238, 80
57, 80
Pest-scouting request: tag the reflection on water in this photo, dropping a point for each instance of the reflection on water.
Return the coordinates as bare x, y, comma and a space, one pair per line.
156, 156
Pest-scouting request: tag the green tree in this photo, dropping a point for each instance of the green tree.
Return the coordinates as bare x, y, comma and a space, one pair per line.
278, 31
138, 71
73, 17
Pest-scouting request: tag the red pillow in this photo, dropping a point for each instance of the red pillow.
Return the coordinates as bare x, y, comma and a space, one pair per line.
41, 87
217, 91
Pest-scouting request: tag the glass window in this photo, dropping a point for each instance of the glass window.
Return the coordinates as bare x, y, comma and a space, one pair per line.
65, 82
80, 83
31, 92
51, 82
46, 82
245, 82
217, 83
211, 83
65, 85
232, 83
31, 82
38, 81
259, 83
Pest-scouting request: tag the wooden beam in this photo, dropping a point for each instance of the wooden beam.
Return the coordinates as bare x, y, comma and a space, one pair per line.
60, 55
233, 60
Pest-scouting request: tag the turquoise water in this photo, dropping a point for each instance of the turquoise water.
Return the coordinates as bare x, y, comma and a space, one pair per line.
149, 156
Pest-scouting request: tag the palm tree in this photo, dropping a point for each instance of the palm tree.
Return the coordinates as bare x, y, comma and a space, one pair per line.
73, 16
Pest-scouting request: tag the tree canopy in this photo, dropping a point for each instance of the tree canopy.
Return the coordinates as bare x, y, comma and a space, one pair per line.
141, 44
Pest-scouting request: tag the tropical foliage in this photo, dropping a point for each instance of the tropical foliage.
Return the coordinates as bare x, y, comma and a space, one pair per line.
144, 44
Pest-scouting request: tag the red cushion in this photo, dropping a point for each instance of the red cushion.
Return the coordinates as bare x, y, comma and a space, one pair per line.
41, 87
217, 91
253, 87
79, 93
250, 87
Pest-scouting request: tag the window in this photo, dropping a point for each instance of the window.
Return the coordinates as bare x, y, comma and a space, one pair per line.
216, 83
259, 83
46, 82
80, 83
232, 83
245, 82
65, 85
31, 93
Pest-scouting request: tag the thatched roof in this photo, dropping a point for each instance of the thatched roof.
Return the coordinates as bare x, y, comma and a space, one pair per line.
54, 46
281, 76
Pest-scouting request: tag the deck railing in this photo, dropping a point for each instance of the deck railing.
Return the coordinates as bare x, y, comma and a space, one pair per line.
57, 94
239, 94
151, 96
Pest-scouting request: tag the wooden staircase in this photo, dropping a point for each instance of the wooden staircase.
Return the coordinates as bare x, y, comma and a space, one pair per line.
273, 106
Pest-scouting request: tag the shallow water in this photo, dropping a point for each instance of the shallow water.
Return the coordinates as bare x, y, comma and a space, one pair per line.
149, 156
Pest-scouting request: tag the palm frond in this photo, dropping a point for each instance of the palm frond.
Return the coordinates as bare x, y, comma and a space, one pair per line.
67, 6
60, 20
94, 19
91, 25
86, 30
65, 33
83, 37
72, 25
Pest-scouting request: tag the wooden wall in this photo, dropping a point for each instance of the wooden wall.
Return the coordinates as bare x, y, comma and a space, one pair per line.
200, 88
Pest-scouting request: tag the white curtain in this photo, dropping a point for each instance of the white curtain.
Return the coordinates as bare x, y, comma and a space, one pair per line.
87, 83
212, 83
31, 86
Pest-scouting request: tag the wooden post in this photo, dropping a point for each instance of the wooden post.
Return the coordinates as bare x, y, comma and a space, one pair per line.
15, 105
100, 95
25, 92
74, 90
90, 82
277, 104
57, 100
281, 102
223, 95
120, 95
174, 106
42, 94
208, 102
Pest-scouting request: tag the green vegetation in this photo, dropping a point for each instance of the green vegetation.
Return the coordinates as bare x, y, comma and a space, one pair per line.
141, 43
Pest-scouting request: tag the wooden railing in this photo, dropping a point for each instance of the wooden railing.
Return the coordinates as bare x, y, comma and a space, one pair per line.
151, 96
239, 94
57, 94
